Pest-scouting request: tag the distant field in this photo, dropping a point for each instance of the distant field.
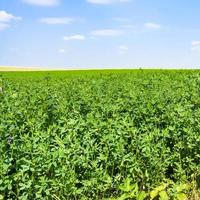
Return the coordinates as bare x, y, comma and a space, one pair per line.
5, 68
100, 134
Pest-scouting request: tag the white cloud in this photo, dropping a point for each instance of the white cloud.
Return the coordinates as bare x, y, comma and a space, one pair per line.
7, 17
123, 48
57, 20
3, 26
195, 45
107, 1
152, 26
129, 26
42, 2
121, 19
13, 49
61, 51
107, 32
74, 37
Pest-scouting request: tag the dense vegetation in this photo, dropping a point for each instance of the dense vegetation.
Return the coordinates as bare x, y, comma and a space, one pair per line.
100, 134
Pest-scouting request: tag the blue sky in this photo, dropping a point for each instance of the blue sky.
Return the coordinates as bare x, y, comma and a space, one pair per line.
100, 33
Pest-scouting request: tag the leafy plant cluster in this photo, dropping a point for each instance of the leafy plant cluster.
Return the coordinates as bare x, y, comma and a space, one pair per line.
165, 191
129, 134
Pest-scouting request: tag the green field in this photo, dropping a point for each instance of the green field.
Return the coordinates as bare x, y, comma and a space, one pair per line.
110, 134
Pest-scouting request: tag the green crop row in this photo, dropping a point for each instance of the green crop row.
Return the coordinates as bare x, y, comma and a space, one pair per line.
124, 134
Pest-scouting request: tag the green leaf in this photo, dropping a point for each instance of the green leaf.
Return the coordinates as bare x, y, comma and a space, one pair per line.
124, 196
142, 195
134, 191
163, 195
126, 187
181, 196
181, 187
155, 192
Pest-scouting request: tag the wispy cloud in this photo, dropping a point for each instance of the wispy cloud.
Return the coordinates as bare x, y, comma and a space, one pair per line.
57, 20
195, 45
6, 18
121, 19
107, 1
3, 26
122, 49
107, 32
42, 2
152, 26
74, 37
61, 51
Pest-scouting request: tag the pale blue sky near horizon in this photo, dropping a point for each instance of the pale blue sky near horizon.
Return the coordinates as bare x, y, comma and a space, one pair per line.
100, 33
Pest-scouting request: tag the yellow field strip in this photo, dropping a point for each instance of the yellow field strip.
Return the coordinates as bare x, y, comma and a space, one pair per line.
7, 68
